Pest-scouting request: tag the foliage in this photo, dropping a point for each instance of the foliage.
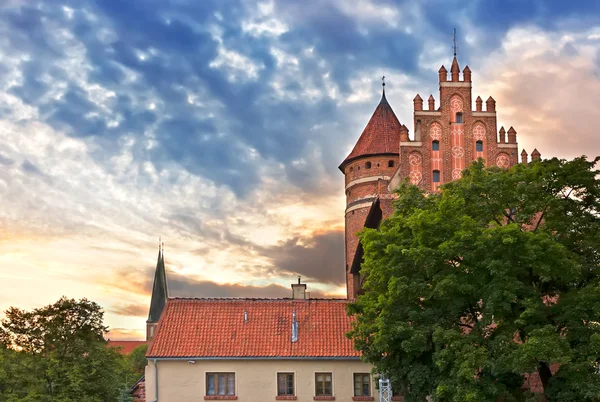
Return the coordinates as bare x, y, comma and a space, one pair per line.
495, 276
137, 361
63, 348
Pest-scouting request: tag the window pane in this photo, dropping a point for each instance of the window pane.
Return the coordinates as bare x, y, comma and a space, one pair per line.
221, 384
290, 389
436, 176
479, 146
435, 145
210, 384
230, 384
280, 384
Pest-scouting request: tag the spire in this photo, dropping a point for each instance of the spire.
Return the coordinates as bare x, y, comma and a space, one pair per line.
535, 155
512, 135
381, 136
502, 133
454, 46
466, 74
431, 102
160, 291
443, 73
454, 70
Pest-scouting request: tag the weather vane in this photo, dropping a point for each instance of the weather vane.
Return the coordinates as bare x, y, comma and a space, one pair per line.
455, 47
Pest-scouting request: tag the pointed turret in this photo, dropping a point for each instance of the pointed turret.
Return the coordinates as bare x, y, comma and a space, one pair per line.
160, 293
418, 102
381, 136
404, 133
443, 73
524, 156
535, 155
502, 134
490, 105
467, 74
454, 70
512, 135
478, 104
431, 102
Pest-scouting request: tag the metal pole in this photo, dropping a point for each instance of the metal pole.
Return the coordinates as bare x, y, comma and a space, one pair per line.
385, 390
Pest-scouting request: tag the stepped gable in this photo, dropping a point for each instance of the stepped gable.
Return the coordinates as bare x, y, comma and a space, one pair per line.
380, 136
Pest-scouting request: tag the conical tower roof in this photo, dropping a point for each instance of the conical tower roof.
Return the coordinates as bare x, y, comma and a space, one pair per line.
160, 292
381, 136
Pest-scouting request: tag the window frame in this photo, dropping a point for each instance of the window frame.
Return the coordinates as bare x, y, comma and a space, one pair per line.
286, 373
216, 375
368, 165
435, 145
324, 373
460, 118
478, 144
391, 163
433, 174
362, 377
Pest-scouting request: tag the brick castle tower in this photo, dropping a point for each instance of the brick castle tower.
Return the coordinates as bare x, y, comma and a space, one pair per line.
445, 141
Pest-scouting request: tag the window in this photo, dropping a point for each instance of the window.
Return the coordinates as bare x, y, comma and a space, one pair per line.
436, 176
459, 117
220, 384
435, 145
479, 146
368, 165
323, 384
362, 384
390, 163
285, 384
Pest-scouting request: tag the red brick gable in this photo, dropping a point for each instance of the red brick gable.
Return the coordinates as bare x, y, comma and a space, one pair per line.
216, 328
380, 136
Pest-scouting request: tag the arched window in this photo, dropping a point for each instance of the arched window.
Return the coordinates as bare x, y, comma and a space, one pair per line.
459, 117
390, 163
435, 145
436, 176
368, 165
479, 146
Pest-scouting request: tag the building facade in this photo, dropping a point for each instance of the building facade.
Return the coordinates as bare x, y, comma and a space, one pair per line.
447, 138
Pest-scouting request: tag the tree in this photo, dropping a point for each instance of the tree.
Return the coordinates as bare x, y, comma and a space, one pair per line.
494, 277
137, 361
67, 352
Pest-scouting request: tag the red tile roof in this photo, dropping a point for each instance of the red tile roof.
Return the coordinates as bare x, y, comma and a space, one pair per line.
126, 346
380, 136
215, 328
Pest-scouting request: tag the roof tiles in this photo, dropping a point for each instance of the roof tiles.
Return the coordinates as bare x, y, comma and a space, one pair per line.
380, 136
205, 328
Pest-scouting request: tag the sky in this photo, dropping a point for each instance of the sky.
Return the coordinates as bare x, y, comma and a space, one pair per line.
218, 125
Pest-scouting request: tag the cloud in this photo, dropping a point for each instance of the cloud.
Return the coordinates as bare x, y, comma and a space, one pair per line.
130, 310
319, 257
547, 86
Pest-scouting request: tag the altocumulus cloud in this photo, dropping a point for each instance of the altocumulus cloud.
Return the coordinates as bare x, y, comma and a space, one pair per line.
220, 125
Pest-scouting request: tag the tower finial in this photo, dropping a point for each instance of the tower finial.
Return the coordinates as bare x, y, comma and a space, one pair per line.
383, 81
159, 243
454, 42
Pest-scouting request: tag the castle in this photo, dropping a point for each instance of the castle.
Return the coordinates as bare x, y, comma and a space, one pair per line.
445, 141
297, 345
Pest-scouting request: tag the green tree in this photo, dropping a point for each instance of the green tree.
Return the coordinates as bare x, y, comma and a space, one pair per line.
137, 361
493, 277
63, 344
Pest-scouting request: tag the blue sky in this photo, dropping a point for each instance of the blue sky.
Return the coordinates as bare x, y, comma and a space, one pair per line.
219, 125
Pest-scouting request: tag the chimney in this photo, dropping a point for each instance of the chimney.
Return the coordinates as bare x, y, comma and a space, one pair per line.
294, 328
299, 290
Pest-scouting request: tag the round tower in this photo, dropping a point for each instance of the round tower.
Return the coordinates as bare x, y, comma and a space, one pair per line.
368, 170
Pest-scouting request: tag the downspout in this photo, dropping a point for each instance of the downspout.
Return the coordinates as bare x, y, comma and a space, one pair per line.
155, 381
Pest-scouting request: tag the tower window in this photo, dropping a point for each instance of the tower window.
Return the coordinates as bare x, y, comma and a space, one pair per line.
368, 165
436, 176
351, 168
435, 145
479, 146
459, 117
391, 164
